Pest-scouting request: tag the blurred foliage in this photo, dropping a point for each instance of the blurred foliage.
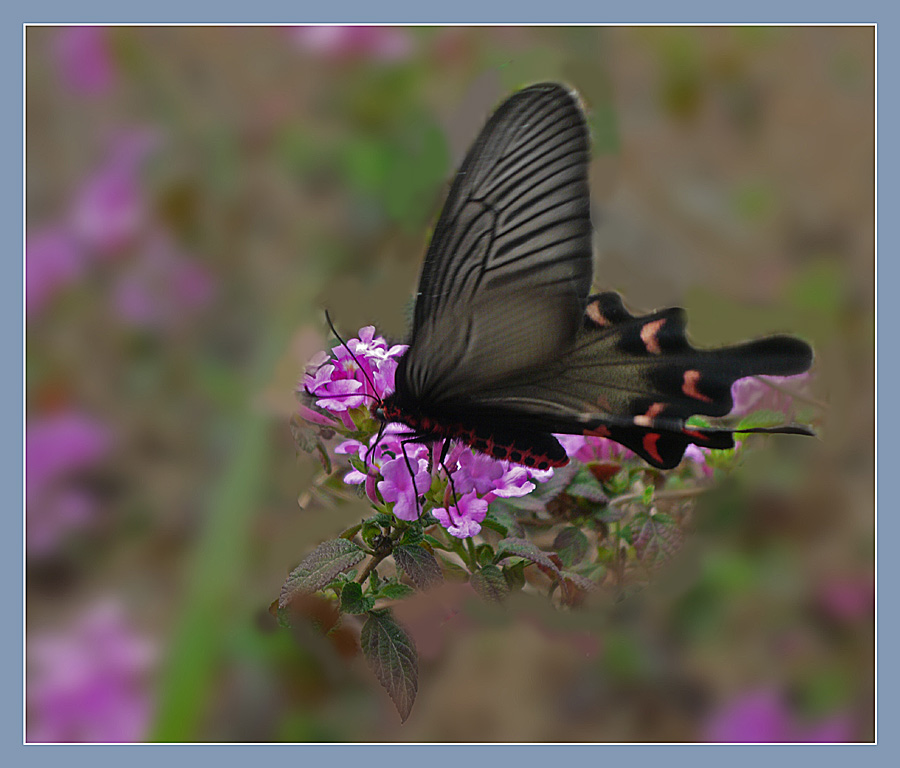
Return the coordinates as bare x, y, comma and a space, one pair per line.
733, 174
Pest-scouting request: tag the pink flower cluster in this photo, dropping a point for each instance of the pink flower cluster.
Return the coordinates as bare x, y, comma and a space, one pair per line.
344, 42
763, 716
358, 374
57, 448
396, 472
108, 218
89, 682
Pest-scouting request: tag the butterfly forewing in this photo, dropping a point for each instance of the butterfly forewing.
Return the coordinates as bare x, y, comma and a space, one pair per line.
509, 264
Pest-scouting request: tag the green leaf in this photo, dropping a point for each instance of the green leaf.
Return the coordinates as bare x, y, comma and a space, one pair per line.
656, 538
589, 491
412, 535
571, 545
436, 543
453, 572
370, 530
351, 531
395, 591
392, 656
419, 564
319, 568
515, 575
353, 600
485, 554
501, 515
491, 584
525, 549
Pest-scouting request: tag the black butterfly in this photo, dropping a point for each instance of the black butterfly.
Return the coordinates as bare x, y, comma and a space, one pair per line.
508, 347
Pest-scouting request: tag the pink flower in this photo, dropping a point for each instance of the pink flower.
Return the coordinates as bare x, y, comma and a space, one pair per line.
847, 599
398, 486
699, 456
478, 472
56, 449
763, 716
379, 43
109, 208
88, 683
755, 394
53, 260
464, 518
589, 448
162, 287
354, 375
83, 59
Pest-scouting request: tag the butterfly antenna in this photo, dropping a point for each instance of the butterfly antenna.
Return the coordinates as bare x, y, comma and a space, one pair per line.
355, 360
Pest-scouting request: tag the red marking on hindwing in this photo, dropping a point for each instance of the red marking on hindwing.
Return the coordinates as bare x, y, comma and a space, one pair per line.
650, 440
649, 335
695, 434
652, 412
600, 431
691, 379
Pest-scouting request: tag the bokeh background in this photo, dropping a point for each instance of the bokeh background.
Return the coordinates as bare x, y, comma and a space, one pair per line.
196, 196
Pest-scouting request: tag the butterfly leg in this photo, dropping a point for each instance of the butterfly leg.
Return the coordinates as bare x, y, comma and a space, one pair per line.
418, 437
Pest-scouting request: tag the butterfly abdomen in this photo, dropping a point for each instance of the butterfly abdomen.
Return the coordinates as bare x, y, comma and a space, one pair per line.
491, 437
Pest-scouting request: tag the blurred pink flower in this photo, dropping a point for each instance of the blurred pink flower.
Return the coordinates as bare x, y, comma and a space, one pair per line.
763, 716
109, 209
162, 287
53, 260
589, 448
380, 43
754, 394
847, 598
89, 683
56, 448
83, 59
699, 456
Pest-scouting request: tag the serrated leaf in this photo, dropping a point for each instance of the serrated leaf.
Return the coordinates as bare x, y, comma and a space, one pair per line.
305, 435
320, 567
392, 656
353, 600
655, 540
435, 543
571, 545
589, 491
419, 564
582, 582
502, 515
395, 591
412, 535
494, 525
453, 572
490, 584
525, 549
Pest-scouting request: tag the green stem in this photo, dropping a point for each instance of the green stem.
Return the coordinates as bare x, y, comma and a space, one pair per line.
470, 544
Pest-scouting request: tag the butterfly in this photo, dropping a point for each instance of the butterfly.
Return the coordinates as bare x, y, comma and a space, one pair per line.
508, 346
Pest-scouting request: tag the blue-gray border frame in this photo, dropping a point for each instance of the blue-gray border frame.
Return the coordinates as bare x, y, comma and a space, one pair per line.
15, 15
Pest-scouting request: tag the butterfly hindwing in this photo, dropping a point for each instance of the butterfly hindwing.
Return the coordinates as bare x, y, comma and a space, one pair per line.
636, 379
